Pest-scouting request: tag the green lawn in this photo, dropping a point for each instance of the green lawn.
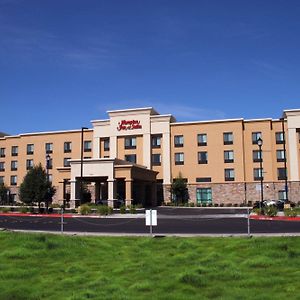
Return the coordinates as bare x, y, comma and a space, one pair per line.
36, 266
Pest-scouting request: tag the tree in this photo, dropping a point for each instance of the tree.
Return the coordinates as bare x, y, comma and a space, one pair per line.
4, 194
36, 188
179, 190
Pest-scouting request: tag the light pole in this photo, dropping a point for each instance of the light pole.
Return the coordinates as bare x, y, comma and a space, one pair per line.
48, 158
81, 166
260, 143
285, 169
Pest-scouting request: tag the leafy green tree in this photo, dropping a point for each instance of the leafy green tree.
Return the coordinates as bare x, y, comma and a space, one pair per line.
4, 196
179, 190
36, 188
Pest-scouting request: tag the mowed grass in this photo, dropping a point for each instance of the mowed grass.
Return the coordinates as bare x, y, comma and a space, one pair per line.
38, 266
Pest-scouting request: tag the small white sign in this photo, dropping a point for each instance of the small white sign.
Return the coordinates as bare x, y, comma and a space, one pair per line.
151, 217
258, 187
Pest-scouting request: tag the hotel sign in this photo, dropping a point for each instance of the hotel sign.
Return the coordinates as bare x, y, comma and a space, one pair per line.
129, 125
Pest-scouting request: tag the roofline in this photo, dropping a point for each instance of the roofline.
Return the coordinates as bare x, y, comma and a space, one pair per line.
44, 132
204, 122
132, 110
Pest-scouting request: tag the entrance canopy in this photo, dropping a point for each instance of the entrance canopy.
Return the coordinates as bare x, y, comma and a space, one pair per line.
138, 183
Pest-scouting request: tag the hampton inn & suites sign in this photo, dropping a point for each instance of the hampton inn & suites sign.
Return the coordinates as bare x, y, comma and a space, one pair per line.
129, 125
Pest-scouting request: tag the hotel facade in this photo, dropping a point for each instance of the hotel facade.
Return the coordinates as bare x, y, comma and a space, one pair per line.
135, 155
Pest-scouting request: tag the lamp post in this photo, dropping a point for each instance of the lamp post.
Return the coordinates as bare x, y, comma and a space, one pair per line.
81, 166
48, 158
260, 143
285, 168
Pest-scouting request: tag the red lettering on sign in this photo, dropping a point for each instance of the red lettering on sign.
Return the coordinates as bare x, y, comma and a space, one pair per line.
129, 125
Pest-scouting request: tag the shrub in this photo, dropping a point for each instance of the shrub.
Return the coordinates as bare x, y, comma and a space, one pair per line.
4, 209
192, 204
23, 209
235, 205
222, 205
123, 209
270, 211
84, 209
256, 211
289, 212
229, 204
104, 210
132, 209
216, 205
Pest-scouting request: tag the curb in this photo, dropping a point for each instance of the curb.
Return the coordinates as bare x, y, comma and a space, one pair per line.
278, 218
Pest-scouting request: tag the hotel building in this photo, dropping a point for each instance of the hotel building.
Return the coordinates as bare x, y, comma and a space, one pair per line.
135, 155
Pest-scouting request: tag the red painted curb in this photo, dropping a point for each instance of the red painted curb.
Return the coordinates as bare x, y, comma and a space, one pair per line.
278, 218
36, 215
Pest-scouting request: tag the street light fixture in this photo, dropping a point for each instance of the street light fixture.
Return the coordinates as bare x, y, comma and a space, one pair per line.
260, 143
48, 158
81, 166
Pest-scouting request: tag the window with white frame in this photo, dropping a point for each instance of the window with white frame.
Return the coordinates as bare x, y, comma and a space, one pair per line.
202, 157
156, 141
156, 159
228, 138
178, 140
179, 158
14, 150
130, 142
49, 148
279, 137
202, 139
258, 173
67, 147
13, 180
14, 165
257, 155
280, 155
29, 164
229, 174
87, 146
256, 136
30, 149
67, 162
228, 156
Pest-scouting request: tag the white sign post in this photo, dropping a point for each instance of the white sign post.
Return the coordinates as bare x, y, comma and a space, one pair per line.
151, 218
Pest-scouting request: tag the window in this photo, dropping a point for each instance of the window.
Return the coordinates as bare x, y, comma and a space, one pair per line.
87, 146
2, 166
29, 164
228, 156
279, 137
282, 195
178, 140
67, 162
179, 159
14, 150
280, 155
131, 158
30, 149
14, 165
228, 138
1, 179
13, 180
255, 137
106, 144
281, 173
130, 143
67, 147
203, 179
258, 173
156, 159
2, 152
229, 174
88, 157
203, 195
202, 157
202, 139
49, 148
257, 156
156, 141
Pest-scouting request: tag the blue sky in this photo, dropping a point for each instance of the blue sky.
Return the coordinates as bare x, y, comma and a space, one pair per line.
66, 62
